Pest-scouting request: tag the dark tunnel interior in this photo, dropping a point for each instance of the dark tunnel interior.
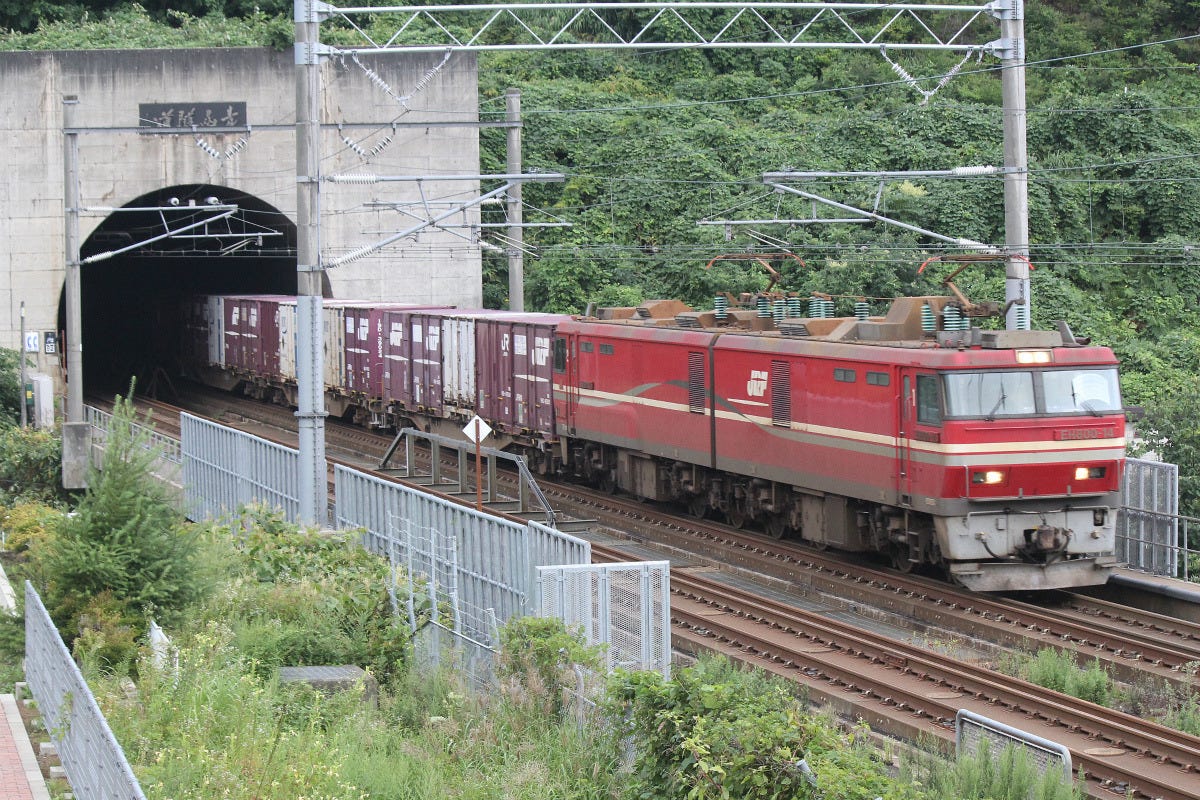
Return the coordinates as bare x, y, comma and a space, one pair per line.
131, 301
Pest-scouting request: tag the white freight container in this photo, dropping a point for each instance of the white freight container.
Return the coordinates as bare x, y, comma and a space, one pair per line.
459, 364
333, 341
287, 340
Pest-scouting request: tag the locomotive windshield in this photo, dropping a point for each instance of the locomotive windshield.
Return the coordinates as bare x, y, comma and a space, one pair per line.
1029, 392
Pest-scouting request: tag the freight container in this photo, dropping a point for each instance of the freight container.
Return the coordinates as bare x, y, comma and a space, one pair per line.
458, 359
515, 371
202, 341
412, 350
364, 326
333, 341
252, 334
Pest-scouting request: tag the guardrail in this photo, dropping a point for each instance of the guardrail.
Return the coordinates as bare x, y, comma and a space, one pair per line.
95, 764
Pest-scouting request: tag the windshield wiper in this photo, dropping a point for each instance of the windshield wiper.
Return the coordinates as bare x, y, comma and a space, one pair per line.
991, 415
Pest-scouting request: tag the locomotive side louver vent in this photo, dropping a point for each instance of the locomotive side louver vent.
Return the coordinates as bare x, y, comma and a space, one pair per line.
687, 321
793, 328
781, 394
696, 382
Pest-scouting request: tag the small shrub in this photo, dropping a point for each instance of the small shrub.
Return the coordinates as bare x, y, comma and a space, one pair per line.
27, 524
1057, 670
1184, 714
983, 774
125, 538
1051, 669
717, 731
1092, 684
107, 636
30, 464
540, 652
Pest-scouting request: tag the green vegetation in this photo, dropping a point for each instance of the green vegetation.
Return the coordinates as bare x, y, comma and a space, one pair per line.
124, 554
1057, 669
10, 386
247, 595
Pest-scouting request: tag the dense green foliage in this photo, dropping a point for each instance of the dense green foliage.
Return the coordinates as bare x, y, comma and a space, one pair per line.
714, 731
217, 724
300, 597
10, 386
30, 464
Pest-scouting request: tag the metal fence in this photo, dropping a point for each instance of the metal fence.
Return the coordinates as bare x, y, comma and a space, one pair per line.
224, 469
625, 607
493, 559
170, 452
93, 759
1148, 526
972, 731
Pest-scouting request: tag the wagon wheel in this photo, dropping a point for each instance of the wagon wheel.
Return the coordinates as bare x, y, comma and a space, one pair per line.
775, 526
697, 506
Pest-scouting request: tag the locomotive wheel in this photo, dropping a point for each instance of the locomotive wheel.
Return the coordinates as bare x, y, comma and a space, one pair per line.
736, 518
775, 526
901, 561
697, 506
607, 482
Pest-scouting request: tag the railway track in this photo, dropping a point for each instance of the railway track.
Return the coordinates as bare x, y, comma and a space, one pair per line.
900, 688
911, 692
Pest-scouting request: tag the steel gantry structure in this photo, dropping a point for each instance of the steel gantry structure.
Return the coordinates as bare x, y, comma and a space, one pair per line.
884, 28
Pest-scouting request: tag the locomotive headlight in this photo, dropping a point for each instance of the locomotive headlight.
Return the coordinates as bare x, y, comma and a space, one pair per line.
1089, 473
1033, 356
988, 476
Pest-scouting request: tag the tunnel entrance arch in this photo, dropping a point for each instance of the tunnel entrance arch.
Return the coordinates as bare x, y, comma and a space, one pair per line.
131, 292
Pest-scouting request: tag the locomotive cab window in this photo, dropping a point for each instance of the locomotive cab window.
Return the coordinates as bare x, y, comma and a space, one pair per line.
1089, 391
560, 355
929, 400
1032, 392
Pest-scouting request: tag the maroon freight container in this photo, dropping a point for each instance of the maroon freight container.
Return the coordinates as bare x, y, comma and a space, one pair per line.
412, 350
366, 344
252, 333
514, 355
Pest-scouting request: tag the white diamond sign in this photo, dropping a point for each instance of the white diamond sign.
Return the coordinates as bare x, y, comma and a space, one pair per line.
477, 424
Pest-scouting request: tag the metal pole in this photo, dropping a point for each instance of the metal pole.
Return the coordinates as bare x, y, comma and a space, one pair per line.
1016, 163
24, 396
478, 469
76, 433
74, 301
310, 413
516, 236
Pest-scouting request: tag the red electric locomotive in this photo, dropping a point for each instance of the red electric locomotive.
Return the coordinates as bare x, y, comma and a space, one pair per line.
996, 455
